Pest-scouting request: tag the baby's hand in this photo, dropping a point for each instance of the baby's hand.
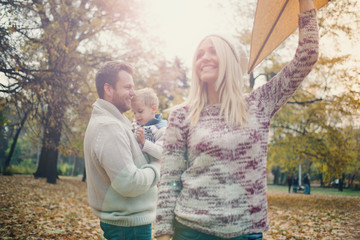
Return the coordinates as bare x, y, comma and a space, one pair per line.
140, 135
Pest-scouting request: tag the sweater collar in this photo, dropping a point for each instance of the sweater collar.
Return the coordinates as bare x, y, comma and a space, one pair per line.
103, 107
155, 120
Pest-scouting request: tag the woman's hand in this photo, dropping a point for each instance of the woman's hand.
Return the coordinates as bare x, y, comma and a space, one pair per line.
306, 5
164, 237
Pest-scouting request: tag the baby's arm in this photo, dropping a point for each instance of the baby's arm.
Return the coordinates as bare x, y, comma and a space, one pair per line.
155, 149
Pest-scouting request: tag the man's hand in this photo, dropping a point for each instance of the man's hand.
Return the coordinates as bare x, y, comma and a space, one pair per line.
164, 237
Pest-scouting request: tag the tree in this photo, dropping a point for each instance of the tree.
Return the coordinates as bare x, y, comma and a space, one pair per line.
3, 138
49, 49
313, 129
170, 82
16, 136
307, 131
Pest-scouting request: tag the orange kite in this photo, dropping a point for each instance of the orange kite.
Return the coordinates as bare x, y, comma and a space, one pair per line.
274, 21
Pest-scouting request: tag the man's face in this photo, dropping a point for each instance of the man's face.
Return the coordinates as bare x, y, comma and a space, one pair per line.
123, 92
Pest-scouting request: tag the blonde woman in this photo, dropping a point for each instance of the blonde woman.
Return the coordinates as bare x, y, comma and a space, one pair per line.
213, 177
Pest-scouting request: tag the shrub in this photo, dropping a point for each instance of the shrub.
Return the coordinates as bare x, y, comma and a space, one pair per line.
24, 167
65, 169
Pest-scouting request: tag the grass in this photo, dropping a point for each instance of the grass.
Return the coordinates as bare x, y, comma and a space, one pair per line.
316, 190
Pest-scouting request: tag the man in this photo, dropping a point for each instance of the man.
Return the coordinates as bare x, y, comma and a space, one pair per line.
122, 189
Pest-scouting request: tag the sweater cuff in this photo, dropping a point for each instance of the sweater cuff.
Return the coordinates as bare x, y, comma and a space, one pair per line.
146, 147
155, 166
305, 17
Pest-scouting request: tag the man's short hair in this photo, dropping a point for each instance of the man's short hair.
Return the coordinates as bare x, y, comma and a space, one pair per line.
108, 73
147, 96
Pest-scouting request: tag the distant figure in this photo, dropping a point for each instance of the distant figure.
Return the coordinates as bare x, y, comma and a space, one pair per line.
307, 184
295, 184
289, 181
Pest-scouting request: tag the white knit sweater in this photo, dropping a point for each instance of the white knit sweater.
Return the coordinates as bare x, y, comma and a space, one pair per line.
121, 184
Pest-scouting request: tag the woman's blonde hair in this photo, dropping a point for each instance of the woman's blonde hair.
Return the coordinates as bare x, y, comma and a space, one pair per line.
230, 84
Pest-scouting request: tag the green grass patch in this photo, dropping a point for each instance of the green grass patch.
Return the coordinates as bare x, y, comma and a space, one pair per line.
25, 167
315, 189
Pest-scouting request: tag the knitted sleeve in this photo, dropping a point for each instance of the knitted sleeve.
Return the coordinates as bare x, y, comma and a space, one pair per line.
274, 94
155, 149
172, 166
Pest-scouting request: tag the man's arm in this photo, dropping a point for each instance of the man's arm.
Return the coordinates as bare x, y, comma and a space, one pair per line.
114, 152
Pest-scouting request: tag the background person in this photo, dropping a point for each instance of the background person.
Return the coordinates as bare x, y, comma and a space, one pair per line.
122, 186
213, 183
307, 183
289, 181
296, 184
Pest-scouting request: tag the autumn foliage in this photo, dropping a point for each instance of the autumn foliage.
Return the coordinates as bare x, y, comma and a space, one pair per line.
32, 209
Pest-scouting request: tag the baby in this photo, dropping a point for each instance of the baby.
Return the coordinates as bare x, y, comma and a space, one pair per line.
149, 127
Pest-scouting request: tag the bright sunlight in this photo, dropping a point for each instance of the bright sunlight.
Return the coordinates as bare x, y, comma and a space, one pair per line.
182, 24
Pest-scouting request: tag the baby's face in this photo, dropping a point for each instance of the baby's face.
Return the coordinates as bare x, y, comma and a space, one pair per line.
142, 112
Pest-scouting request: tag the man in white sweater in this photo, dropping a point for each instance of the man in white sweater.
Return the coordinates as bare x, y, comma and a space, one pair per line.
122, 189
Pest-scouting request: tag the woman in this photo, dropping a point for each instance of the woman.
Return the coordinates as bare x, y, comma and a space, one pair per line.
213, 183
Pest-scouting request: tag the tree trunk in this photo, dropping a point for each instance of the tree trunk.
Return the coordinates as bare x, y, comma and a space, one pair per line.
84, 175
13, 145
49, 151
252, 80
47, 167
3, 147
351, 181
74, 161
282, 178
341, 182
276, 172
52, 162
78, 166
321, 180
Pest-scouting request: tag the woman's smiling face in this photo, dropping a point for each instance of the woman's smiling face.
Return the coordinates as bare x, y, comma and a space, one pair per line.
207, 62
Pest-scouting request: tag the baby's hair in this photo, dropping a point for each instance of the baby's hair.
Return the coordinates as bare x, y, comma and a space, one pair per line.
147, 95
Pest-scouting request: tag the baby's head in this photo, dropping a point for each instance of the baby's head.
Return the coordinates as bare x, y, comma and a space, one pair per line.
144, 105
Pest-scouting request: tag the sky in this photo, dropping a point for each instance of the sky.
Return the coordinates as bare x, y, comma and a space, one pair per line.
181, 24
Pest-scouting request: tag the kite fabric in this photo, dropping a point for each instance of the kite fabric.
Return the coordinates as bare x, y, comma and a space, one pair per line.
274, 21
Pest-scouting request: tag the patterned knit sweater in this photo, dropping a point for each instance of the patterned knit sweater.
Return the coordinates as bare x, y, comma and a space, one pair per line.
154, 132
213, 176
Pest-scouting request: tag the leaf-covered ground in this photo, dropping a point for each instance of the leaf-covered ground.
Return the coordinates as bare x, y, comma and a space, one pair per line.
32, 209
299, 216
